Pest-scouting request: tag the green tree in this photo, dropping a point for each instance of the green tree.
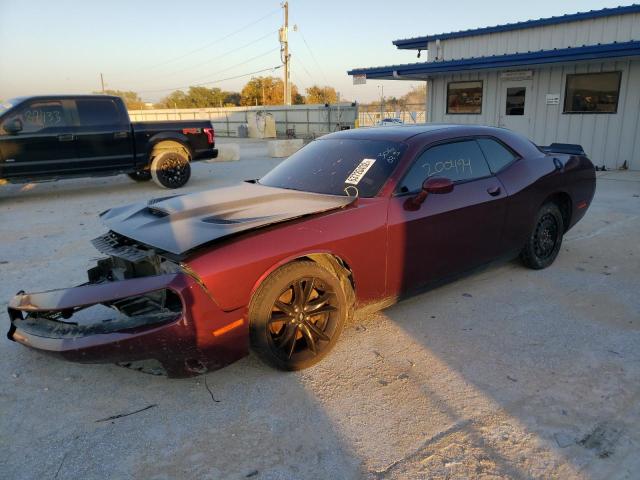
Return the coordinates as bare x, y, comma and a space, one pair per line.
131, 99
232, 99
199, 97
267, 91
317, 94
416, 96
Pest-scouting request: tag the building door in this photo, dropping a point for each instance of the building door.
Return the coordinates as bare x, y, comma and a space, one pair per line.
516, 106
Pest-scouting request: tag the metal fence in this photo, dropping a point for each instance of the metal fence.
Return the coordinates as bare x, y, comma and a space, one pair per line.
306, 121
372, 114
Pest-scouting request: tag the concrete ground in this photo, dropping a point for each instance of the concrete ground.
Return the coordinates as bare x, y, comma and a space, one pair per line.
509, 373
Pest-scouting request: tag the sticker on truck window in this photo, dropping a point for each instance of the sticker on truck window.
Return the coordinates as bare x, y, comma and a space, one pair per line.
360, 171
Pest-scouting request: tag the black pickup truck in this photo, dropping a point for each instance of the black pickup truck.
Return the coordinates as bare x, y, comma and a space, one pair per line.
63, 136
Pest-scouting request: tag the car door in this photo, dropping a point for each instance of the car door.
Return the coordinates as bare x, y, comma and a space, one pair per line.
449, 233
103, 135
43, 146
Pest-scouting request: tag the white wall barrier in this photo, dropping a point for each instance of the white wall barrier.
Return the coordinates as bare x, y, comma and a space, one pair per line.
304, 120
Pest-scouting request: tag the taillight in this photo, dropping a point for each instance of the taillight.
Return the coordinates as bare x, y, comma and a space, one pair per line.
210, 135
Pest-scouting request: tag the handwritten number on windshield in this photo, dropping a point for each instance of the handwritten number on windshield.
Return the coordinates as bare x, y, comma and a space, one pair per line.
461, 166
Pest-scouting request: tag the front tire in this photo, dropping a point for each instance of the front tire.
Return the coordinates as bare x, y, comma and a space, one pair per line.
140, 175
297, 315
543, 245
170, 169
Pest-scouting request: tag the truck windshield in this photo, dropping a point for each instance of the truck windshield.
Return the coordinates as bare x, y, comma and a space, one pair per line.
7, 105
353, 167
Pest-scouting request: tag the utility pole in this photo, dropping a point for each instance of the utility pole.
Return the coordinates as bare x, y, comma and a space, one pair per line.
381, 87
284, 53
102, 82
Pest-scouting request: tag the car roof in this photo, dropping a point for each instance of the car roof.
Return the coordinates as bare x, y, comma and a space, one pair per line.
401, 133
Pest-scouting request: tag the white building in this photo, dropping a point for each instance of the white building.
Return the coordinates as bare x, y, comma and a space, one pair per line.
569, 79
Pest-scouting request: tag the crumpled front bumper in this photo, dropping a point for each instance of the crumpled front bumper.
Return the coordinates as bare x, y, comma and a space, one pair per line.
195, 337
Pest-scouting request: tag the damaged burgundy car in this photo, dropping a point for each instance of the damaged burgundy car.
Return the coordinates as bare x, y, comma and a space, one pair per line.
356, 218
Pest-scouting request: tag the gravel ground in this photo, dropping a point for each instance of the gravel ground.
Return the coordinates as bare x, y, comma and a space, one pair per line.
508, 373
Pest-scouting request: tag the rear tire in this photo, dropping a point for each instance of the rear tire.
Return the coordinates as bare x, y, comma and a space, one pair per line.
297, 315
543, 245
170, 169
140, 176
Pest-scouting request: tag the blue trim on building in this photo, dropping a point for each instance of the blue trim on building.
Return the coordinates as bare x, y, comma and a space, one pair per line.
420, 43
591, 52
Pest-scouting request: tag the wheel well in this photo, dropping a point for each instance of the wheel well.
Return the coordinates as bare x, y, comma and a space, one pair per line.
171, 146
339, 267
563, 201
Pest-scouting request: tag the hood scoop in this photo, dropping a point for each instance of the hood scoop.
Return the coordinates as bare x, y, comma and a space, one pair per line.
181, 223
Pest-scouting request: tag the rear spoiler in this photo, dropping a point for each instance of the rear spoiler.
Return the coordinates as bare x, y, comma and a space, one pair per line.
568, 148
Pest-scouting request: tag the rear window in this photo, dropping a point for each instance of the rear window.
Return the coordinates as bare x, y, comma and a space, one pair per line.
497, 155
100, 111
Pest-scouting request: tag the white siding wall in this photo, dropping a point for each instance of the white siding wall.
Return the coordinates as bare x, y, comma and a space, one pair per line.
609, 139
617, 28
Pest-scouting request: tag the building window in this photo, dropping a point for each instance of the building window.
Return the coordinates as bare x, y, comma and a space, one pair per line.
464, 97
515, 100
592, 93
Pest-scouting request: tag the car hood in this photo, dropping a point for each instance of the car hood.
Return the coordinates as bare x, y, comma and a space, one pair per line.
181, 223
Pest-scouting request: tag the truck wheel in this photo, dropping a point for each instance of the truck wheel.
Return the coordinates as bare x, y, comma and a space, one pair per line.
170, 169
296, 316
140, 175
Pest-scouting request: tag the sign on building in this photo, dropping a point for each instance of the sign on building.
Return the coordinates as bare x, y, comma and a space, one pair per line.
360, 79
517, 75
553, 99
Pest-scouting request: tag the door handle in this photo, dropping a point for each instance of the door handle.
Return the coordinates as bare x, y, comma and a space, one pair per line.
66, 137
494, 191
121, 135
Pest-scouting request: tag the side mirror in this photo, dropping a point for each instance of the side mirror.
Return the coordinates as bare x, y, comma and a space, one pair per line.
12, 126
433, 185
437, 185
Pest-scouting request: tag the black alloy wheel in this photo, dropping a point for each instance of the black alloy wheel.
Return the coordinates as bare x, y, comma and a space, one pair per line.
171, 170
543, 245
301, 316
545, 236
297, 315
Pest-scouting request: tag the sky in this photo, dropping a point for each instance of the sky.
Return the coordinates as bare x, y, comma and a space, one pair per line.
153, 47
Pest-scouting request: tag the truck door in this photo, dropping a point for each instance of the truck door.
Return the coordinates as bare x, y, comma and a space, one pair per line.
43, 143
103, 133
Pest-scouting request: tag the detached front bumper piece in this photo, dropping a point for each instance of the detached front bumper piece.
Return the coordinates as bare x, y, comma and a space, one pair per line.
169, 318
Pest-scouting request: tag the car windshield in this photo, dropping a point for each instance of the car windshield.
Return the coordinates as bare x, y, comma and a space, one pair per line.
353, 167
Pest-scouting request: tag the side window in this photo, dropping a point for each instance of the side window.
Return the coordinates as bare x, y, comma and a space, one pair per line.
94, 112
457, 161
41, 115
497, 155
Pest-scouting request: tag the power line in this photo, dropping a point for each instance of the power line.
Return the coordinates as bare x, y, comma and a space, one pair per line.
207, 45
213, 81
314, 58
297, 59
244, 62
218, 57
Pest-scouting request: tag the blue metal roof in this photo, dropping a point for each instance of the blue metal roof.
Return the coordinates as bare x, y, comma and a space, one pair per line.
420, 43
590, 52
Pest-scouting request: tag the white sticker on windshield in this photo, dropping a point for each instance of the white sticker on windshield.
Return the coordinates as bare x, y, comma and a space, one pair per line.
360, 171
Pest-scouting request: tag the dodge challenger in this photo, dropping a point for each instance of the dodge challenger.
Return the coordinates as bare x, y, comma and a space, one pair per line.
358, 218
